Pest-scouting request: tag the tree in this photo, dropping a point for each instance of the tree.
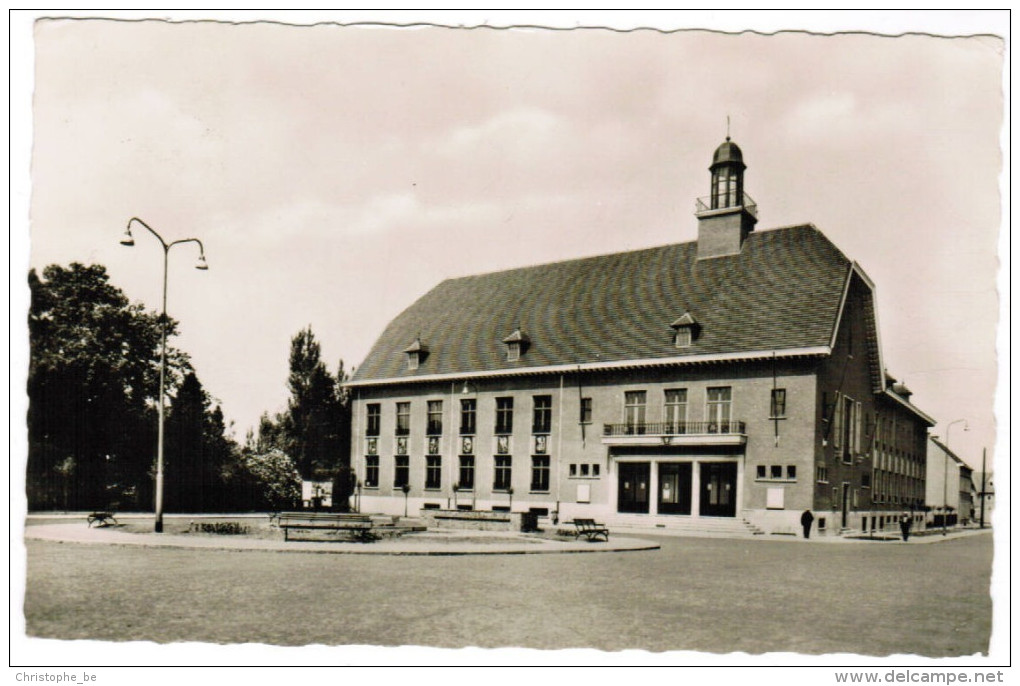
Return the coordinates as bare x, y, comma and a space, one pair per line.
316, 428
92, 386
314, 411
265, 481
272, 432
345, 480
198, 453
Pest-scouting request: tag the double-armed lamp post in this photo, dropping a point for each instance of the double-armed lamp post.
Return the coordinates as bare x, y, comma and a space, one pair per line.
129, 240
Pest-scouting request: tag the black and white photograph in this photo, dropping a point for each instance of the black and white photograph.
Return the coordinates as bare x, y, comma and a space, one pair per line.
463, 339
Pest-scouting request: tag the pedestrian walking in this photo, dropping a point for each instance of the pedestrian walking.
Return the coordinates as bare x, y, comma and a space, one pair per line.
905, 523
805, 521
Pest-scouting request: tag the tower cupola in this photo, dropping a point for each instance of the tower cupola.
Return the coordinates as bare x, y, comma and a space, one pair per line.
728, 214
727, 175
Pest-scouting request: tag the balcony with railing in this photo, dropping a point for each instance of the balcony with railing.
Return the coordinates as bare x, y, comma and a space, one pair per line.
675, 433
704, 204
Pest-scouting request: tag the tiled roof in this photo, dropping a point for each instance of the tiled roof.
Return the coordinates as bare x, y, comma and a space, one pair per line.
782, 291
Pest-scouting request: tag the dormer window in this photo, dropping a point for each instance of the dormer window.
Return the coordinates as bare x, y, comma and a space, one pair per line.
685, 330
516, 345
416, 354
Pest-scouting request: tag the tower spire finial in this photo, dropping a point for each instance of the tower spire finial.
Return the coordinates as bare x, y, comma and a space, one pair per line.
727, 127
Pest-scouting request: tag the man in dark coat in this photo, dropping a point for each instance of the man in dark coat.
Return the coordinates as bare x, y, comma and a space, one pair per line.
805, 521
905, 523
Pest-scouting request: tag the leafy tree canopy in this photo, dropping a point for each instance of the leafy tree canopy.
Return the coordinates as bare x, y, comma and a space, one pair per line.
93, 382
315, 429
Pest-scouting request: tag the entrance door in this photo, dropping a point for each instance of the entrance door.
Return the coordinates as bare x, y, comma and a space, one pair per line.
675, 488
719, 489
632, 494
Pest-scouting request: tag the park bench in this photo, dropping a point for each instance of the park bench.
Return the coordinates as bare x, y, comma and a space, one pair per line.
358, 526
103, 519
590, 529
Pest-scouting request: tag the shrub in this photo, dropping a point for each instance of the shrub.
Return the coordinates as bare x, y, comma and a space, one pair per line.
221, 528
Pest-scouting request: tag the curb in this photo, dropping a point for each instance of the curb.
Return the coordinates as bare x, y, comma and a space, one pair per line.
77, 533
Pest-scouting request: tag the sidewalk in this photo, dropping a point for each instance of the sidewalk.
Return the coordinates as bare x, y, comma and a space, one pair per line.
445, 542
850, 538
71, 527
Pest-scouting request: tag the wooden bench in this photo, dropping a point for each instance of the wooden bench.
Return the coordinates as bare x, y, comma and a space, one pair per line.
590, 529
358, 526
104, 519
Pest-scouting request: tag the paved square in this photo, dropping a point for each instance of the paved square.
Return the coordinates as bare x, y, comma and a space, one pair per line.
711, 595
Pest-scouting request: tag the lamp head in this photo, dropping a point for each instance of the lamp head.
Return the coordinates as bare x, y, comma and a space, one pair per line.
202, 264
127, 239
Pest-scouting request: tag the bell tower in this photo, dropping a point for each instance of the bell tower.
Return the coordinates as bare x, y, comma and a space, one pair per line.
727, 215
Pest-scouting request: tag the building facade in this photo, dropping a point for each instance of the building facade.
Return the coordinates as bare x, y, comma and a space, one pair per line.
966, 494
738, 376
984, 497
949, 486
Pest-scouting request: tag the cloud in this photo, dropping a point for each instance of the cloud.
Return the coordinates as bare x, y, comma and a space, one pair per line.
527, 126
823, 116
375, 217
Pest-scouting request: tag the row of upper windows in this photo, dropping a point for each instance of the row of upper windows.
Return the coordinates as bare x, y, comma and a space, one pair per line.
853, 433
434, 445
541, 417
897, 434
718, 403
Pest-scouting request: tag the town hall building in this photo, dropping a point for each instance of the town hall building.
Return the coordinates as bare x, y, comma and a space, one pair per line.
739, 376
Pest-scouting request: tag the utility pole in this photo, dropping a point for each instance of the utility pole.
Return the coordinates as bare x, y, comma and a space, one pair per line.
984, 475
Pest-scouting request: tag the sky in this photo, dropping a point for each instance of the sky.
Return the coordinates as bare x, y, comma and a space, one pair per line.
336, 173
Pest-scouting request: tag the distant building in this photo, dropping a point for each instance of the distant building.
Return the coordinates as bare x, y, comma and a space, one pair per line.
738, 376
948, 485
966, 493
316, 494
984, 492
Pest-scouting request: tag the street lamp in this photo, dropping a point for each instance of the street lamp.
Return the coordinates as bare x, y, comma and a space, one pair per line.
945, 473
129, 240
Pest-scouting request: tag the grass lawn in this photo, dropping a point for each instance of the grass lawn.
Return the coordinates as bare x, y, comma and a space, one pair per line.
710, 595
